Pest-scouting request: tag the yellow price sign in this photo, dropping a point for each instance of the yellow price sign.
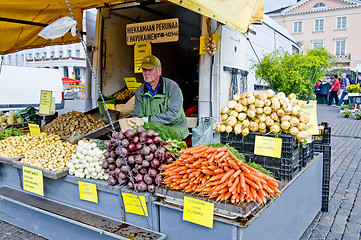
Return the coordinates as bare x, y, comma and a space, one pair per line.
88, 191
198, 212
132, 204
268, 146
141, 50
110, 106
45, 102
132, 83
310, 109
34, 128
33, 180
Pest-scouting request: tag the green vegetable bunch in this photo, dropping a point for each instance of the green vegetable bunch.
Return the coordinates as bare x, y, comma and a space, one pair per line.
9, 132
28, 115
165, 132
294, 73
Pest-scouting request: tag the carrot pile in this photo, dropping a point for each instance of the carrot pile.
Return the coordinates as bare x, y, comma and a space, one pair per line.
217, 173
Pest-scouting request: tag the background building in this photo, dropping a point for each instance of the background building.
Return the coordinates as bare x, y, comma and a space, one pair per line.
332, 24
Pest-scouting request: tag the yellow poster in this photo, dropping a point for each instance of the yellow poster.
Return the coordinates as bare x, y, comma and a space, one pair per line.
88, 191
141, 50
268, 146
202, 43
45, 102
132, 204
132, 83
110, 106
311, 110
198, 212
33, 180
34, 128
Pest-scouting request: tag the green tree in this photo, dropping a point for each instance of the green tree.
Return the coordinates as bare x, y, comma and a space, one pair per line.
294, 73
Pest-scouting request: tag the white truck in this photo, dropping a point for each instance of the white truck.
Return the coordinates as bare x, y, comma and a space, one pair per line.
21, 87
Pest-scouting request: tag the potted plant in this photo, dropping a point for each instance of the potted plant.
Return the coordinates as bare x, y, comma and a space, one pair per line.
346, 113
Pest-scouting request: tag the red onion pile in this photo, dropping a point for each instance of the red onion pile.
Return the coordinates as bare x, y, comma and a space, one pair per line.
145, 154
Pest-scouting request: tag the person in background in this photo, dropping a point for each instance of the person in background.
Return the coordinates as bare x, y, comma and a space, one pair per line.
345, 83
334, 91
160, 99
324, 90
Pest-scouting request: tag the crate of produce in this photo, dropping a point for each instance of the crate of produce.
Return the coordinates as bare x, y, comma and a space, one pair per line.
324, 136
8, 160
307, 154
283, 168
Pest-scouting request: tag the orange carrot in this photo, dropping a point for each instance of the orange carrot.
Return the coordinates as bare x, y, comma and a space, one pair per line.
244, 168
232, 155
222, 149
234, 185
191, 149
227, 175
224, 156
219, 155
238, 172
233, 164
216, 177
207, 171
251, 183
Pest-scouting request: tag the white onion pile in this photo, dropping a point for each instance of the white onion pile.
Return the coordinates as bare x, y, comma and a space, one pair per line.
264, 112
87, 161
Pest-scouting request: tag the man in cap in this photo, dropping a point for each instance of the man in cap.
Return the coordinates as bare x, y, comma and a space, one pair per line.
160, 99
345, 83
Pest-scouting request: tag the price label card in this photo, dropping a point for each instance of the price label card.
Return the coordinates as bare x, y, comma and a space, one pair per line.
310, 109
198, 212
34, 128
45, 102
141, 50
88, 191
268, 146
132, 204
132, 83
33, 180
110, 106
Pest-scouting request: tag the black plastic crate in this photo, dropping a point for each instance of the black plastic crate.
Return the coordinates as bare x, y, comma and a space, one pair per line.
307, 154
246, 144
324, 206
283, 168
324, 136
326, 175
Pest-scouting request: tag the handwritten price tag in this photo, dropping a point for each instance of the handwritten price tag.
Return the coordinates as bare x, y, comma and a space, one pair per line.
34, 128
268, 146
33, 180
132, 204
198, 212
88, 191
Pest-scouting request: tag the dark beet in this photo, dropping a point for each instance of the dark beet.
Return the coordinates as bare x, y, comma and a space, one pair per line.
106, 154
120, 135
111, 160
140, 130
145, 164
131, 147
124, 169
122, 181
107, 170
160, 167
129, 133
141, 186
114, 154
153, 147
150, 134
170, 160
105, 164
122, 175
151, 188
131, 160
146, 150
112, 166
153, 172
117, 171
138, 159
157, 140
136, 139
143, 171
149, 157
107, 144
130, 185
112, 181
149, 141
138, 146
119, 162
148, 179
158, 180
124, 143
155, 163
138, 178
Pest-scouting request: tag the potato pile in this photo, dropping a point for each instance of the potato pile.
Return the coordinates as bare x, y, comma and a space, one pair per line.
124, 95
66, 124
264, 112
41, 150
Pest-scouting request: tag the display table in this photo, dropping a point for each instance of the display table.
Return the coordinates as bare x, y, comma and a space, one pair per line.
286, 217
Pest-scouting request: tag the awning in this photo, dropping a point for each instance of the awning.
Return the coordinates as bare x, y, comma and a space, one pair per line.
70, 80
22, 20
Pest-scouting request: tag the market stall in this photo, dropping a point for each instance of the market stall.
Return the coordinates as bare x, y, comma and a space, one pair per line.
82, 176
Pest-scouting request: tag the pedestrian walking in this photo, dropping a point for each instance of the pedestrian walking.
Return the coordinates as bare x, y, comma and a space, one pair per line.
334, 91
345, 83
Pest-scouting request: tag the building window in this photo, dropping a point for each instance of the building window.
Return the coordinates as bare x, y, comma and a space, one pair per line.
66, 72
297, 27
341, 23
340, 47
52, 54
30, 56
317, 44
37, 55
319, 25
9, 60
44, 54
60, 53
319, 4
77, 53
69, 53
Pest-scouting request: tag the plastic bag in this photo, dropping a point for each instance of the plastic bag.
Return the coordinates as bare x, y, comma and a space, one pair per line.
59, 28
203, 133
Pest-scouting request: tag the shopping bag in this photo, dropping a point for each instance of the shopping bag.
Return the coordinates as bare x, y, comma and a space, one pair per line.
203, 133
59, 28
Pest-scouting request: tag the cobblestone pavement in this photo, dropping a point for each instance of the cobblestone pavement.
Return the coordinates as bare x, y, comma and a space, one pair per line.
343, 219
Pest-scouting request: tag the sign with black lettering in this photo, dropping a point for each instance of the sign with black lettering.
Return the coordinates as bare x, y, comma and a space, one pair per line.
155, 31
198, 212
33, 180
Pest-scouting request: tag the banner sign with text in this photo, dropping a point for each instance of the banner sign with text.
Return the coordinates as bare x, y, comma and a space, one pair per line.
155, 31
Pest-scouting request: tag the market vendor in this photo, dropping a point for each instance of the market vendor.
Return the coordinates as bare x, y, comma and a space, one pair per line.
160, 99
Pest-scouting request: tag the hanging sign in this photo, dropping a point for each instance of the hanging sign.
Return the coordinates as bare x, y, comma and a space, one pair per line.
132, 204
34, 128
33, 180
155, 31
310, 109
132, 83
141, 50
198, 212
88, 191
268, 146
45, 102
203, 42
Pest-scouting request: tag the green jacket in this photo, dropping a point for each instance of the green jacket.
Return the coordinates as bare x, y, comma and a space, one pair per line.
165, 107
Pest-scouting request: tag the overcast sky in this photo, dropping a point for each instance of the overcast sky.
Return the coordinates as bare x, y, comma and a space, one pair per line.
270, 5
